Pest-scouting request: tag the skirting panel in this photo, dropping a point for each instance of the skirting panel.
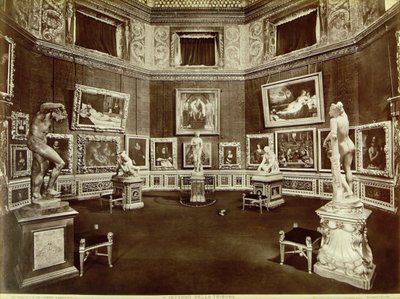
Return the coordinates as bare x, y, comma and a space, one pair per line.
379, 195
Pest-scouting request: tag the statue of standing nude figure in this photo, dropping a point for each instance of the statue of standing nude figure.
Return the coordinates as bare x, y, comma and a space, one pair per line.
197, 149
44, 154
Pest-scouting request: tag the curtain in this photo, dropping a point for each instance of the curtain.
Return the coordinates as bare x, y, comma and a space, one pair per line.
95, 34
297, 34
197, 51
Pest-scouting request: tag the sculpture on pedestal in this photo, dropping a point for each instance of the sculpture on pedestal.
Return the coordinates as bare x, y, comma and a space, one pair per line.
126, 165
44, 154
269, 163
197, 149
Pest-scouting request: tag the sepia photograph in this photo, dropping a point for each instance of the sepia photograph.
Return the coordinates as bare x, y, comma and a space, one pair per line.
206, 155
229, 155
137, 148
255, 144
163, 153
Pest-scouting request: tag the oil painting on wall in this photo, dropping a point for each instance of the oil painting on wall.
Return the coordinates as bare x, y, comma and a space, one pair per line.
163, 153
19, 125
137, 148
63, 145
7, 55
206, 155
21, 161
229, 155
255, 144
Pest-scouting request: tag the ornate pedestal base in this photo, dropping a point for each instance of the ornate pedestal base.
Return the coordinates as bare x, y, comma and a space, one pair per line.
197, 188
131, 190
269, 186
46, 244
345, 254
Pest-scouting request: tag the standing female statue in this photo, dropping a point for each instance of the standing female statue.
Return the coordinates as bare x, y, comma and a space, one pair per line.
197, 149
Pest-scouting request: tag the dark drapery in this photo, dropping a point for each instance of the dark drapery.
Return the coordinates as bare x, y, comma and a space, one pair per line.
296, 34
198, 51
96, 35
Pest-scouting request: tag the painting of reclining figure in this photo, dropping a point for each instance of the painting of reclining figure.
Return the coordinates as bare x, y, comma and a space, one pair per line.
293, 101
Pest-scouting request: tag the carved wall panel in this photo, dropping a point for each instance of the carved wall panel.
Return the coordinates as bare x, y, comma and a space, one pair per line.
256, 42
270, 40
53, 20
26, 13
161, 46
338, 19
137, 42
370, 11
232, 47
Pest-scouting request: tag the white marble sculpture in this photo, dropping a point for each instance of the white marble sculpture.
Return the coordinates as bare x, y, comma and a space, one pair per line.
269, 163
126, 165
197, 149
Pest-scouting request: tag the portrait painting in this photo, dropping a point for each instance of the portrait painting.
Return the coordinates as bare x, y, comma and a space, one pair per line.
21, 160
197, 109
63, 145
19, 194
97, 109
296, 149
163, 153
97, 153
7, 52
255, 144
294, 101
229, 155
19, 125
324, 161
375, 149
206, 155
137, 148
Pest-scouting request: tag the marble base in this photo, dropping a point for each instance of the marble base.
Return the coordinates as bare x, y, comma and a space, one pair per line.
270, 186
197, 182
131, 190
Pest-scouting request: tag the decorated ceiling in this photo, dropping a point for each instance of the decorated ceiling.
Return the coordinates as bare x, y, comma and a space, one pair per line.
198, 3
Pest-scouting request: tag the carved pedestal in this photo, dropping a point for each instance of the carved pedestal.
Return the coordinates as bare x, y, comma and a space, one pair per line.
269, 186
46, 244
345, 254
197, 188
131, 190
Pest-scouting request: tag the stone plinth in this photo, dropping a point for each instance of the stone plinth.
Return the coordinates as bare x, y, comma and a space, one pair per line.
197, 187
270, 186
130, 188
46, 238
345, 254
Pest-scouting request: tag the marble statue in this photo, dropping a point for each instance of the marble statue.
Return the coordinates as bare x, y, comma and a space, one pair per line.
44, 154
126, 165
269, 163
197, 149
341, 150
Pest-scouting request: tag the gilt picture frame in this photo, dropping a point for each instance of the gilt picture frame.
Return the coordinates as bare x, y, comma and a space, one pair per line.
21, 158
198, 109
63, 144
19, 125
294, 101
255, 144
229, 155
375, 149
100, 110
164, 154
137, 148
296, 149
7, 54
206, 155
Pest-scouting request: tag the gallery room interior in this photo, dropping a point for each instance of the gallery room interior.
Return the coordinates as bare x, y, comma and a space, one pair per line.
195, 147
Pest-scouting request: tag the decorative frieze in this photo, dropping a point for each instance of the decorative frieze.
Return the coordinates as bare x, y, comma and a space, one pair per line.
338, 20
232, 47
137, 42
161, 46
256, 42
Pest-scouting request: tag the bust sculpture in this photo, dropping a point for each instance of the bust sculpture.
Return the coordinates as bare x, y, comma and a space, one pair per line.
340, 149
269, 163
197, 149
43, 154
126, 165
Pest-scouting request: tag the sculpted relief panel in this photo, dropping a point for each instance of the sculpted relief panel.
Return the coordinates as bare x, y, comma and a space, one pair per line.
232, 47
137, 41
256, 42
338, 14
161, 46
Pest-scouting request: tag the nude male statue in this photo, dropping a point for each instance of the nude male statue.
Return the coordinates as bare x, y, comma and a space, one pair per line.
42, 153
339, 135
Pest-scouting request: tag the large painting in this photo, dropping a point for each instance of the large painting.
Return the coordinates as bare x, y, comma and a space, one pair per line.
137, 148
296, 149
7, 52
97, 109
229, 155
21, 160
97, 153
324, 161
197, 109
206, 155
19, 125
163, 153
255, 144
63, 145
295, 101
375, 149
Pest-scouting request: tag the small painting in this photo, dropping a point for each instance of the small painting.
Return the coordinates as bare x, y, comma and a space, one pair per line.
137, 148
63, 145
229, 155
19, 125
21, 161
163, 153
255, 144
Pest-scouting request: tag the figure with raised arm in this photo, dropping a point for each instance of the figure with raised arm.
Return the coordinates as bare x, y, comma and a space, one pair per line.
197, 149
42, 153
341, 148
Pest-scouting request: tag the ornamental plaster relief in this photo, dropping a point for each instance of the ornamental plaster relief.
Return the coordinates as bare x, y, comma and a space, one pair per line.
232, 47
256, 40
137, 38
338, 13
161, 46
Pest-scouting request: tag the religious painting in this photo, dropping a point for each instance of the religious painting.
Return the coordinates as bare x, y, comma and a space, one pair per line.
255, 144
296, 149
63, 145
229, 155
7, 52
206, 155
100, 110
137, 148
197, 109
324, 161
19, 194
163, 153
21, 158
295, 101
97, 154
19, 125
375, 149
